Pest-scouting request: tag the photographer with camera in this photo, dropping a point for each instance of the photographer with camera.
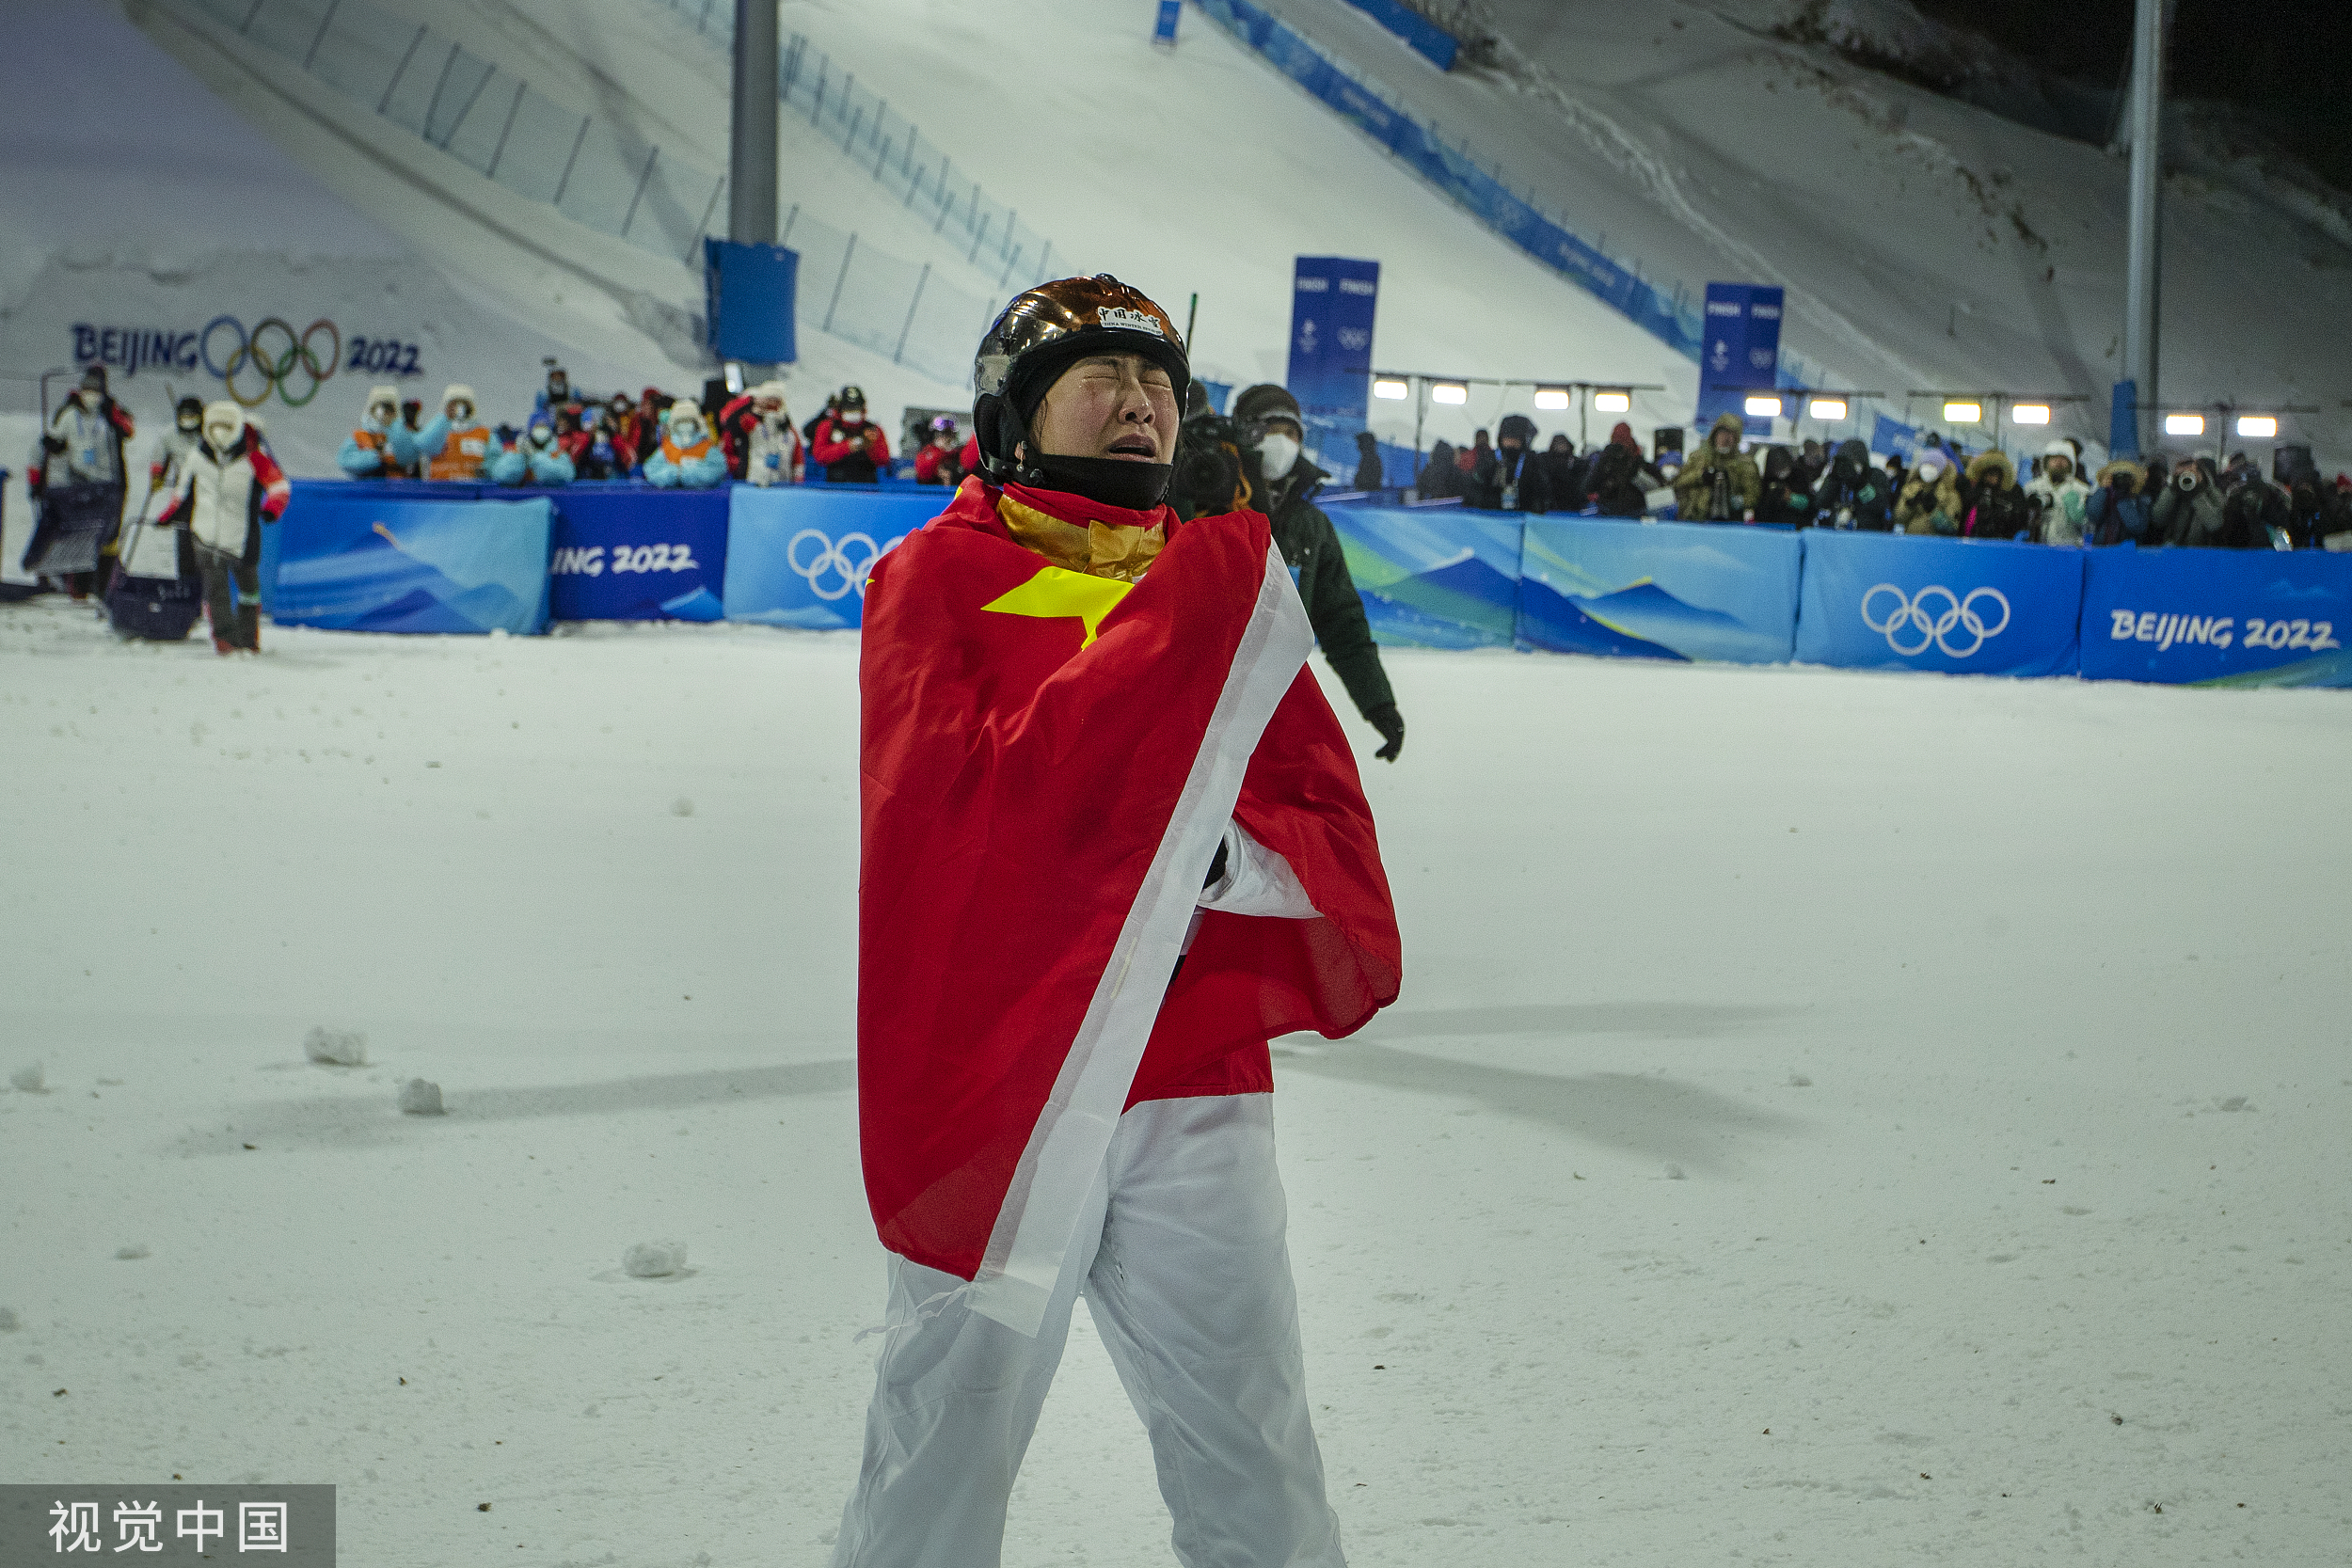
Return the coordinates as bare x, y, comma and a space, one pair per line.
1255, 460
2189, 510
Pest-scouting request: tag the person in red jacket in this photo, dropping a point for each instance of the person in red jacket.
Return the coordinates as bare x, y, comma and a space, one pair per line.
1112, 838
850, 449
941, 461
230, 487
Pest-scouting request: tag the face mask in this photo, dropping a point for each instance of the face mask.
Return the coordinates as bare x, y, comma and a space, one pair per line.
851, 416
1276, 455
382, 415
687, 431
189, 427
222, 436
460, 411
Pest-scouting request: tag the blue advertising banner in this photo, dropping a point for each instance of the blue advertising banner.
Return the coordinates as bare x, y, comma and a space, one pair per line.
1436, 576
1454, 171
1889, 435
2219, 617
375, 562
1422, 36
629, 553
1742, 351
797, 556
747, 300
1887, 601
1676, 590
1332, 304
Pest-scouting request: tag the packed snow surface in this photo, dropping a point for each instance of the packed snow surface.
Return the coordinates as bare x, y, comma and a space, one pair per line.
1996, 1030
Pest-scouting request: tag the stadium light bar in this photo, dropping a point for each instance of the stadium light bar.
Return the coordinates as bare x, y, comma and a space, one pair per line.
1392, 387
2184, 424
2262, 427
1551, 400
1832, 409
1451, 394
1763, 408
2030, 413
1964, 412
1612, 402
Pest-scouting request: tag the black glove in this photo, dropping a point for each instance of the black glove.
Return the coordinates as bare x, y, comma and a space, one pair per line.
1390, 724
53, 443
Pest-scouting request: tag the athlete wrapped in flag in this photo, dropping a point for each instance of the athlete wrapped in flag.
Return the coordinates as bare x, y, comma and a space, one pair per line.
1113, 841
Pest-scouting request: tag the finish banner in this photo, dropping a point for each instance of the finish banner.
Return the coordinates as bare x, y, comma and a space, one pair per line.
1660, 591
1885, 601
634, 554
797, 555
364, 562
2219, 617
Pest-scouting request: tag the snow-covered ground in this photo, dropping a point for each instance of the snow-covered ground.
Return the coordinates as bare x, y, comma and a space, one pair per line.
1831, 1119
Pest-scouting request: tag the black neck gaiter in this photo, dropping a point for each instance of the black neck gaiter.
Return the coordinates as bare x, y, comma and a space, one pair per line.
1112, 481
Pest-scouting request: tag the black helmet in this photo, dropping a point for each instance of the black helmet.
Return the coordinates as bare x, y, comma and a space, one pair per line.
851, 397
1045, 329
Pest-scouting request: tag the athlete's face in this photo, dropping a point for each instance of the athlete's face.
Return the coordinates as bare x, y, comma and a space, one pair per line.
1116, 405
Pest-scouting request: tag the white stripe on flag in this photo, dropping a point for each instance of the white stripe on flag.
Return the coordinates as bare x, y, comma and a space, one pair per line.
1049, 1188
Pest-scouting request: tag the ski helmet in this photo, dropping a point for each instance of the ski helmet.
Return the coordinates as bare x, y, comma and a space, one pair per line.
1045, 330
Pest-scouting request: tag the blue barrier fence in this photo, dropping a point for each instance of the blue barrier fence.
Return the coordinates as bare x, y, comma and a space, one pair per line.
461, 558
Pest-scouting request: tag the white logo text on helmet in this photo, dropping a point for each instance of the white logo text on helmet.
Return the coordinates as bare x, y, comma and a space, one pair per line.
1132, 321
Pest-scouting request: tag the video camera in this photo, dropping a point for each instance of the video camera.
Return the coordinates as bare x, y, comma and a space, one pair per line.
1208, 467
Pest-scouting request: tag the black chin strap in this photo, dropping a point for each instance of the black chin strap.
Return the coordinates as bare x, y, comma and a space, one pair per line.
1112, 481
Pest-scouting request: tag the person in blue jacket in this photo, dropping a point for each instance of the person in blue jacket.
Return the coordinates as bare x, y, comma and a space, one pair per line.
533, 460
383, 447
690, 458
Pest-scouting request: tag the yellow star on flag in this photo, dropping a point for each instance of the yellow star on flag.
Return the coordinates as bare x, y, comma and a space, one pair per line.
1057, 593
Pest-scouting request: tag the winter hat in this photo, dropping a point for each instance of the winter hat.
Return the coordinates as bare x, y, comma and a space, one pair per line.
1262, 403
683, 413
2059, 448
768, 390
455, 390
1931, 465
224, 413
94, 379
2125, 468
851, 397
1621, 435
1367, 442
1518, 425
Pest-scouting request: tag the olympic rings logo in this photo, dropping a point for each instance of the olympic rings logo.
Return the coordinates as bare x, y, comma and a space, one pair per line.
273, 354
1910, 616
832, 574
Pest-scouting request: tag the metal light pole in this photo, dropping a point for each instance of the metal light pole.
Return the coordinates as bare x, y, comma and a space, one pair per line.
2141, 312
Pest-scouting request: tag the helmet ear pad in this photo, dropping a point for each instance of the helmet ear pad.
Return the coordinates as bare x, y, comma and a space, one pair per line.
1000, 429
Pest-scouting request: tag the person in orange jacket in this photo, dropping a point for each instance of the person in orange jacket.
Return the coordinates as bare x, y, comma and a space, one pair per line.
455, 444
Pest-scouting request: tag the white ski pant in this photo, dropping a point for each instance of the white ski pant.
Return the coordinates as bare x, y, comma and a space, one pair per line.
1188, 1276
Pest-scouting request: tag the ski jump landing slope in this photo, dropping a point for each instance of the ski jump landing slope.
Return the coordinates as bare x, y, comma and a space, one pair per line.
1925, 244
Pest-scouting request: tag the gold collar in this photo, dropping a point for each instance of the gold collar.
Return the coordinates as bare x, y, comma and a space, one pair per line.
1099, 549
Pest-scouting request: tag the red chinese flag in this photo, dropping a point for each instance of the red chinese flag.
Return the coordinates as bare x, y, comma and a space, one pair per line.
1048, 760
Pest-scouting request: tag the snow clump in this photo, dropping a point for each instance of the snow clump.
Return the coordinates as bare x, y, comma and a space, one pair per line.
654, 1259
336, 1047
133, 1253
26, 1079
419, 1097
681, 807
9, 1322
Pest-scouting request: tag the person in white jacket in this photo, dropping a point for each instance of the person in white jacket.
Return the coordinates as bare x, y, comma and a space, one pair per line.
2059, 497
231, 486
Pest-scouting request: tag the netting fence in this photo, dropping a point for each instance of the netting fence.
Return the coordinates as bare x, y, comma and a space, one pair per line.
605, 177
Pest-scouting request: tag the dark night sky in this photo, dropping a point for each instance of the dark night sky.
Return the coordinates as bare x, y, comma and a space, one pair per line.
2283, 58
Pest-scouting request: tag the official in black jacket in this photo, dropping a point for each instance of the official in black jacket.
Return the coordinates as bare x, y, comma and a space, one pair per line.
1268, 424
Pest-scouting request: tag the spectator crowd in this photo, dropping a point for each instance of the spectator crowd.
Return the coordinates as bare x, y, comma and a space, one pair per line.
1941, 492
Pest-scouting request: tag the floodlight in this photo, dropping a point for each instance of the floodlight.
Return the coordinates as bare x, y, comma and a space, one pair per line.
1451, 394
2184, 424
2030, 413
2263, 427
1763, 408
1552, 399
1962, 413
1826, 408
1612, 402
1391, 386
